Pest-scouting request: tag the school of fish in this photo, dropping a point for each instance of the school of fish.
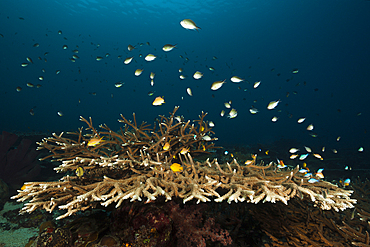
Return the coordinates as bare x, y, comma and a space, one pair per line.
137, 60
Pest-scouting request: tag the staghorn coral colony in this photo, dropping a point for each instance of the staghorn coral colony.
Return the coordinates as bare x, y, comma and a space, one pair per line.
140, 162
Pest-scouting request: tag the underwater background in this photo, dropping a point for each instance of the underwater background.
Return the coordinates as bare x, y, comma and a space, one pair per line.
60, 60
326, 41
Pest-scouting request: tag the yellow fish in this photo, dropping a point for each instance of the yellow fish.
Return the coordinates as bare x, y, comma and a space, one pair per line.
184, 150
94, 141
318, 156
251, 162
25, 186
166, 146
256, 84
79, 171
233, 113
138, 72
236, 79
168, 47
188, 90
158, 101
176, 167
293, 156
189, 24
217, 84
128, 60
310, 127
150, 57
197, 75
273, 104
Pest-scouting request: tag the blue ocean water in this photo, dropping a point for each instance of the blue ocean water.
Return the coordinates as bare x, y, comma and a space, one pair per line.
257, 40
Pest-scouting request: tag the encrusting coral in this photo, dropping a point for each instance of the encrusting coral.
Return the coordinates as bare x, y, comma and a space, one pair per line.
135, 163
